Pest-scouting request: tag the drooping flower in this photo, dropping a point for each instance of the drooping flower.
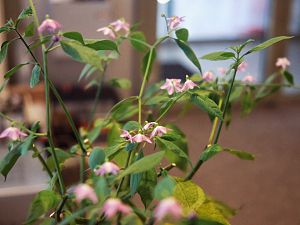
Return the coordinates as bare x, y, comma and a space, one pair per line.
222, 70
112, 206
175, 21
172, 85
107, 31
149, 125
242, 67
208, 76
249, 79
188, 84
159, 131
125, 134
168, 207
283, 63
84, 191
107, 168
163, 1
141, 138
49, 26
120, 24
13, 133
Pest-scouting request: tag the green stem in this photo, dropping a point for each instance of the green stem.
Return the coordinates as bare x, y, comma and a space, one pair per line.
36, 151
122, 180
48, 124
216, 120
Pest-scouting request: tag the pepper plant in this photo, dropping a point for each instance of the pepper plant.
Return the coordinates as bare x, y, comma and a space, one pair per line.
141, 147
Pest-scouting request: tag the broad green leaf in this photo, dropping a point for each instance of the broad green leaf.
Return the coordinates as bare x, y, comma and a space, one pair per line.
82, 53
155, 100
9, 160
103, 45
135, 178
61, 155
27, 144
3, 51
206, 104
210, 152
29, 30
8, 26
122, 107
120, 83
264, 91
182, 34
74, 36
147, 185
288, 77
101, 188
268, 43
148, 61
144, 164
242, 46
190, 54
227, 211
35, 75
197, 221
247, 102
217, 56
131, 125
165, 188
112, 151
189, 195
96, 131
41, 204
114, 133
209, 211
236, 93
48, 221
167, 105
13, 70
138, 41
25, 13
240, 154
97, 157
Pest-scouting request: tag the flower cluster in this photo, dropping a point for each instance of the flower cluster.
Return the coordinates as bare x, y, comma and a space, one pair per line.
148, 132
283, 63
174, 85
50, 27
107, 168
175, 21
114, 28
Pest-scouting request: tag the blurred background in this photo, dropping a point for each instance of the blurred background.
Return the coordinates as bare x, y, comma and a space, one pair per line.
266, 191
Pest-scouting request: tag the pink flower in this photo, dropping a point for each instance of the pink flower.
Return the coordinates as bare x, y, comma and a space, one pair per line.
84, 191
249, 79
172, 85
208, 76
107, 168
112, 206
149, 125
49, 26
125, 134
141, 138
13, 133
283, 63
188, 84
119, 25
168, 207
107, 31
159, 131
175, 21
222, 70
242, 67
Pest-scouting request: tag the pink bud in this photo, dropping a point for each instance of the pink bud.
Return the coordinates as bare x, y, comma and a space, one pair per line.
141, 138
107, 168
242, 67
49, 26
112, 206
208, 76
168, 207
283, 63
120, 24
125, 134
107, 31
174, 21
84, 191
159, 131
149, 125
249, 79
13, 133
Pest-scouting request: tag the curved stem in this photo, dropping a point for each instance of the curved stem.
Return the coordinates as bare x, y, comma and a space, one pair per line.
36, 151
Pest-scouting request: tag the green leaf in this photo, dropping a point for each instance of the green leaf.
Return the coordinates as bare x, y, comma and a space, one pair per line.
86, 71
190, 54
101, 188
210, 152
35, 75
165, 188
29, 30
13, 70
122, 106
61, 155
96, 131
189, 195
120, 83
41, 204
268, 43
74, 36
135, 178
248, 102
144, 164
242, 46
240, 154
206, 104
148, 58
25, 13
103, 45
182, 34
264, 91
131, 125
155, 100
82, 54
112, 151
227, 211
8, 26
288, 77
146, 187
217, 56
27, 144
114, 133
9, 160
97, 157
138, 41
3, 51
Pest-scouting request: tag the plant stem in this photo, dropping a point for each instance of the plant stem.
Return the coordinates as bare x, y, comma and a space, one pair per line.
48, 124
122, 180
216, 120
36, 151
